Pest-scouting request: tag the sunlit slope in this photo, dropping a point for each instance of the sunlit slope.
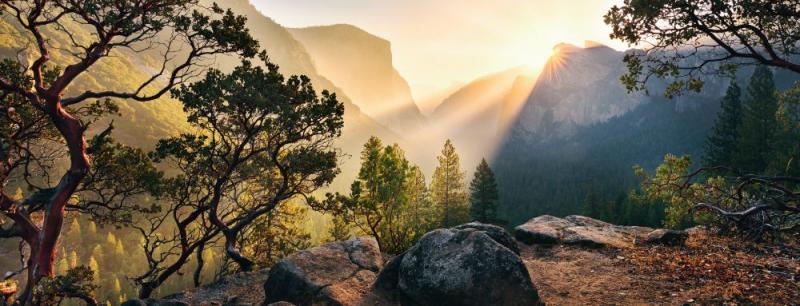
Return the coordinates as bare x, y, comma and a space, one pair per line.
476, 116
361, 64
142, 124
293, 58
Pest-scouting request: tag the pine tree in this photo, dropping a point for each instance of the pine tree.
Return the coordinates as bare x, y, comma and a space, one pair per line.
422, 215
759, 138
18, 195
92, 230
788, 160
119, 249
62, 266
95, 268
591, 206
339, 230
483, 195
111, 239
448, 188
722, 143
73, 259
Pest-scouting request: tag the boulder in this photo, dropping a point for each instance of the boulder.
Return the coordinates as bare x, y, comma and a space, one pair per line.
154, 302
588, 232
338, 273
471, 264
134, 302
666, 237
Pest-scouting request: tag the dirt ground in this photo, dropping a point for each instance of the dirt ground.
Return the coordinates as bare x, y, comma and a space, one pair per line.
576, 276
705, 272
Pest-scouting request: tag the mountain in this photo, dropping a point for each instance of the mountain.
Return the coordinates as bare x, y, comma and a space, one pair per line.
579, 133
567, 90
361, 64
294, 58
476, 115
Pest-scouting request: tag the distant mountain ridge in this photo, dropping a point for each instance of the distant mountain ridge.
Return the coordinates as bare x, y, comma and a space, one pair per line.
361, 64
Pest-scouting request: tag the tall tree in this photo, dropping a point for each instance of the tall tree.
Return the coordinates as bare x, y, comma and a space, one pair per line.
788, 160
483, 195
183, 32
261, 141
388, 201
448, 188
276, 235
592, 205
759, 139
421, 215
723, 142
377, 198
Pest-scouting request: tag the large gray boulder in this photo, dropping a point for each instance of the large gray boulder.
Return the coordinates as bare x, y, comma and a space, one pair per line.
472, 264
338, 273
588, 232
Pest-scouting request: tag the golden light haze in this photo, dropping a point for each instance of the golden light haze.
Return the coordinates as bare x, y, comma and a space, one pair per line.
439, 43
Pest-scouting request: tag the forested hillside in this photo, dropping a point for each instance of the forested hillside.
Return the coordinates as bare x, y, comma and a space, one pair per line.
102, 246
573, 146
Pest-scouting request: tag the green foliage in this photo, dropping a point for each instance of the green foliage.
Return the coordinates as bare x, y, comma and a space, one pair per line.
448, 188
276, 235
759, 140
688, 40
260, 141
377, 197
483, 195
723, 142
671, 185
339, 230
788, 159
78, 283
422, 215
388, 201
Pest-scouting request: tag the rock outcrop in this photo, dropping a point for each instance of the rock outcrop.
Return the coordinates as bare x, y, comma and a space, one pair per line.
471, 264
338, 273
585, 231
154, 302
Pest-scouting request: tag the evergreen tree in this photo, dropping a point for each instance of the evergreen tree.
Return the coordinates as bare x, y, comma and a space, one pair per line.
759, 137
95, 267
591, 206
483, 195
18, 195
448, 188
377, 202
722, 143
62, 266
277, 234
73, 259
422, 215
788, 160
339, 230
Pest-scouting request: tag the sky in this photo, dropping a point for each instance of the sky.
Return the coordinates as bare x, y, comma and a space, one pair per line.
438, 44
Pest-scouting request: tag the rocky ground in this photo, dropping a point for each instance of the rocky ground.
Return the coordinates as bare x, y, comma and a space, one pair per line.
571, 261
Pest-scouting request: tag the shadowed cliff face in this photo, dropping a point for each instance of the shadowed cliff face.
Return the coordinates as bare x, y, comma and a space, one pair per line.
578, 87
361, 64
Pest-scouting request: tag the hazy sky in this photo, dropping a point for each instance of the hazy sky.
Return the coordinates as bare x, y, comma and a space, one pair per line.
438, 43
